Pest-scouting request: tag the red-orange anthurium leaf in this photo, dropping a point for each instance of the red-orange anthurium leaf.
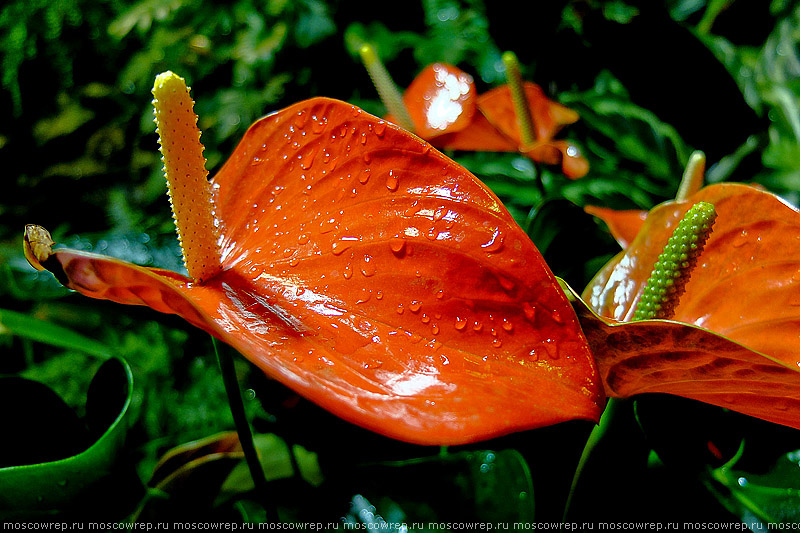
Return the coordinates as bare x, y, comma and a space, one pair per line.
624, 225
745, 287
376, 277
674, 358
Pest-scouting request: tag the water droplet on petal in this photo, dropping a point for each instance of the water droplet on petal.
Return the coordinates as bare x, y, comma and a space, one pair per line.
425, 318
495, 243
530, 311
477, 326
400, 309
368, 266
435, 329
302, 238
507, 284
379, 295
460, 324
348, 271
318, 125
380, 128
508, 326
366, 294
397, 244
392, 182
300, 119
497, 343
741, 239
415, 305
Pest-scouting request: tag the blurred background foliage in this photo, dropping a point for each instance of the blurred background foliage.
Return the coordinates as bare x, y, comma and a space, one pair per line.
652, 81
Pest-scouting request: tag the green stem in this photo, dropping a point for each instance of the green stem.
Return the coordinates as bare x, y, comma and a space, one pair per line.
387, 90
693, 176
228, 371
520, 99
610, 415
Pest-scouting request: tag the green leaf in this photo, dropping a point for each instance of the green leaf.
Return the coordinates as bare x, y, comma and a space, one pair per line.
478, 486
49, 333
41, 489
773, 496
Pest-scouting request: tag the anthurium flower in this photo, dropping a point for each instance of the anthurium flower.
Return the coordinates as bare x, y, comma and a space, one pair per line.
733, 337
493, 124
362, 268
441, 105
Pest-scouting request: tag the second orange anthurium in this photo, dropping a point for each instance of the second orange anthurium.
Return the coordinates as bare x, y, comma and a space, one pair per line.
442, 106
362, 268
732, 339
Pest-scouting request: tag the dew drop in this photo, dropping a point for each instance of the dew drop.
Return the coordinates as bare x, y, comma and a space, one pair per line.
327, 225
368, 267
318, 125
348, 271
397, 244
415, 305
300, 119
366, 294
435, 329
508, 326
477, 326
380, 128
294, 261
338, 247
440, 294
379, 295
556, 317
740, 240
461, 323
495, 243
400, 309
367, 158
425, 318
392, 183
530, 311
497, 343
507, 284
363, 178
302, 238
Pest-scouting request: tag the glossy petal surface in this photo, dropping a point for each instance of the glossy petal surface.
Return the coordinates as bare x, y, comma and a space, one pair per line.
379, 279
746, 287
624, 225
441, 99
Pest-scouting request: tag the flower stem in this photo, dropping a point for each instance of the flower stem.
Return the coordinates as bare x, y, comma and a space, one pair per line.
386, 87
520, 99
611, 413
693, 176
187, 178
228, 371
